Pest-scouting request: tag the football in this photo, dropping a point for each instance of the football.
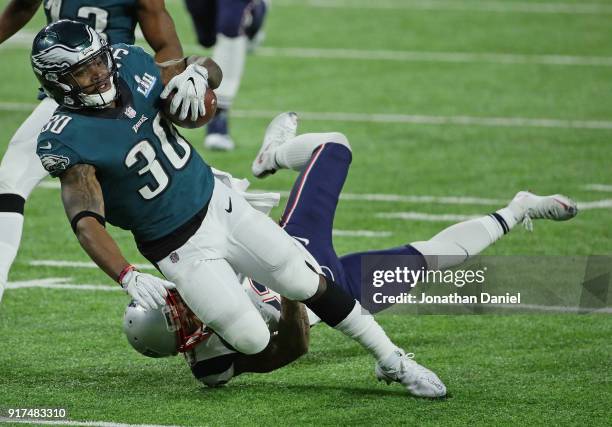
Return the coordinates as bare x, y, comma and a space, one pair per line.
210, 102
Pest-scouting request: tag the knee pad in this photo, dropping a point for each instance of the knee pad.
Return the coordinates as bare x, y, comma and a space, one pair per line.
248, 334
296, 280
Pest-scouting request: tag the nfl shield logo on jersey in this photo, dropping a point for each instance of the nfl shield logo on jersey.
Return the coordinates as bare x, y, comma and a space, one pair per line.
130, 112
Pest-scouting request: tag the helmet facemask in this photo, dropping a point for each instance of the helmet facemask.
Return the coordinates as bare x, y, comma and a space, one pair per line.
165, 331
94, 94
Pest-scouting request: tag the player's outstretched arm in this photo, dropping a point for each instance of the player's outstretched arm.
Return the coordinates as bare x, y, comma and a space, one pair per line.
84, 205
159, 30
290, 343
15, 15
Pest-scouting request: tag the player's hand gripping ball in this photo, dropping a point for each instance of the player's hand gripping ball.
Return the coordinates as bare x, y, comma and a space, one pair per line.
210, 104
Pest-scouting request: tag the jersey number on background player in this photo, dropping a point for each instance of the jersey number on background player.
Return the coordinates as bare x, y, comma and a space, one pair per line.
100, 16
144, 150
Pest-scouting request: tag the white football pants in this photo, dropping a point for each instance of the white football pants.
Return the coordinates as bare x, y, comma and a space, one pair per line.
236, 238
21, 170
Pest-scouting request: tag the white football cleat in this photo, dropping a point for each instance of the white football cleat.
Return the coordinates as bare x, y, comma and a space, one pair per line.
219, 142
418, 380
556, 207
281, 129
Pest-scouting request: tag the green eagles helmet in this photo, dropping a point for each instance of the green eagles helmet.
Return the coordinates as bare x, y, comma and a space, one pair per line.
65, 52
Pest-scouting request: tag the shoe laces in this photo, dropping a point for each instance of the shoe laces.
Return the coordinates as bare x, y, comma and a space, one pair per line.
527, 222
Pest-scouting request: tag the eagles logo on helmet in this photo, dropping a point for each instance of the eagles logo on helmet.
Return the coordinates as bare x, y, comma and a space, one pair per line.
65, 51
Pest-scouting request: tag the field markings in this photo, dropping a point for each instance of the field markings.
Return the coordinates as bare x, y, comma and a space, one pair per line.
78, 423
598, 187
403, 198
23, 39
424, 56
421, 216
64, 283
455, 5
77, 264
416, 119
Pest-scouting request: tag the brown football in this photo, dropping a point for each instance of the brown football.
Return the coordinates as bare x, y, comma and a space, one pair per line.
210, 102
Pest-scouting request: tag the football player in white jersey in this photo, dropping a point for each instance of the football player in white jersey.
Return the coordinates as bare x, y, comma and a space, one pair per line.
323, 160
21, 170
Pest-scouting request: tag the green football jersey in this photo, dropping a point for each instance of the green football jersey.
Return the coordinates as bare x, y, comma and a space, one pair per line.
114, 19
153, 181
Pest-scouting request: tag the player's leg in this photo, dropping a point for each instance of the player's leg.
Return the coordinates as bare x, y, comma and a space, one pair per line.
260, 249
457, 243
20, 172
204, 15
233, 20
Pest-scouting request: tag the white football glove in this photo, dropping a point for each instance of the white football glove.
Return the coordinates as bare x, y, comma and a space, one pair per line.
191, 87
147, 290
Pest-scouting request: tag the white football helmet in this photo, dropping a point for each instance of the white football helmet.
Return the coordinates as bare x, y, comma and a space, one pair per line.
165, 331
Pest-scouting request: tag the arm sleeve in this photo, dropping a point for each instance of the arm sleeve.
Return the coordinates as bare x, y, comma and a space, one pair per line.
56, 157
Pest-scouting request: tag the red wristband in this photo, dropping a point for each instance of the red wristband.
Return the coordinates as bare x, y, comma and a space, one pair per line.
125, 271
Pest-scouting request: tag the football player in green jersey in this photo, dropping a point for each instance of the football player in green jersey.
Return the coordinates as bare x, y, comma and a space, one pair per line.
115, 20
120, 159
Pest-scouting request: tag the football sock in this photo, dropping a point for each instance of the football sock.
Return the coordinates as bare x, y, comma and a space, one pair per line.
457, 243
296, 153
11, 225
340, 311
229, 53
363, 328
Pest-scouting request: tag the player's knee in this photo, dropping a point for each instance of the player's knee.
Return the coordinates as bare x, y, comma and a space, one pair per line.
340, 138
297, 280
248, 334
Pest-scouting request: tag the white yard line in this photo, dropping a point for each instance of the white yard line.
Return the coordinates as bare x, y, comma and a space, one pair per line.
403, 198
420, 56
23, 39
77, 423
455, 5
598, 187
421, 216
512, 122
416, 119
76, 264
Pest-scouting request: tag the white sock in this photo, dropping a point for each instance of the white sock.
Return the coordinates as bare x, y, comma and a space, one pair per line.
230, 54
361, 326
11, 225
455, 244
296, 153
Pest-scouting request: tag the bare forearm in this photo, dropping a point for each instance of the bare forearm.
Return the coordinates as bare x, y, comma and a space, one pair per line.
15, 16
101, 247
159, 31
290, 343
174, 67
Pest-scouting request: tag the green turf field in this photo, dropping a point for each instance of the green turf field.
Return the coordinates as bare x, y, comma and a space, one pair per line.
460, 98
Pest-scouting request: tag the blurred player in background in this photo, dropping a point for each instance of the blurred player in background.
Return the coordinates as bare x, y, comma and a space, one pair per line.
231, 27
116, 20
323, 160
